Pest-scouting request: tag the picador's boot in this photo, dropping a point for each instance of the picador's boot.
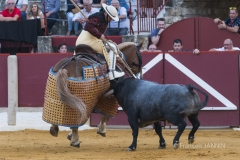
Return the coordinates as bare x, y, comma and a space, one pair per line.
112, 72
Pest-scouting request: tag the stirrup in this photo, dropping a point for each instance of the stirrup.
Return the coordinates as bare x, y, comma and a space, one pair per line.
114, 74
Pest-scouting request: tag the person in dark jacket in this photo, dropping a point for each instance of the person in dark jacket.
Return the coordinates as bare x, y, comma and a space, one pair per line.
92, 35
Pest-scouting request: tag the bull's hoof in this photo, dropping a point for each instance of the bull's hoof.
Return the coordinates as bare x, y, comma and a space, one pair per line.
190, 140
176, 145
102, 134
54, 131
131, 149
77, 145
162, 145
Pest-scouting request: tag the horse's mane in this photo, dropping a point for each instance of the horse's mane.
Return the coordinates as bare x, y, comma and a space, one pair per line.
124, 45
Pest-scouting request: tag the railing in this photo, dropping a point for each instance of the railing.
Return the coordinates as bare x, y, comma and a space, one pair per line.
148, 11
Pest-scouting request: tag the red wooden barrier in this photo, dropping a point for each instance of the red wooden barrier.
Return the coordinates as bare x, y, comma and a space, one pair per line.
219, 72
194, 34
215, 73
5, 43
32, 76
3, 80
71, 40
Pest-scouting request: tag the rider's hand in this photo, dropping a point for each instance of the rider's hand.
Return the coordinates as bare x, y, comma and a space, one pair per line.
103, 38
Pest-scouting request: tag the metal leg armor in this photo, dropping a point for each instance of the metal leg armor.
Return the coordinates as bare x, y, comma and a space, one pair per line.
112, 72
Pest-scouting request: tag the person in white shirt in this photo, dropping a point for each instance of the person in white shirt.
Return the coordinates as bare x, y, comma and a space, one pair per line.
87, 11
227, 46
34, 12
121, 27
22, 6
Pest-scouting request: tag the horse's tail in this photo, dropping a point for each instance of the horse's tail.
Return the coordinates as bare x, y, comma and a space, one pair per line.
65, 95
193, 110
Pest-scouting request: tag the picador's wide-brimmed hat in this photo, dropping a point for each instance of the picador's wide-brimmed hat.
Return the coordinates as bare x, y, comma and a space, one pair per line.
111, 11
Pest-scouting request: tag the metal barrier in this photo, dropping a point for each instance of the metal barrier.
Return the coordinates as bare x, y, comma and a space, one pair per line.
147, 11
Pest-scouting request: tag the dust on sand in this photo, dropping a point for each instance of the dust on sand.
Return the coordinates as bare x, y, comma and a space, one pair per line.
34, 144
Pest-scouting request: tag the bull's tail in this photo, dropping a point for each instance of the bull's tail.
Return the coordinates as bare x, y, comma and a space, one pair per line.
198, 107
65, 95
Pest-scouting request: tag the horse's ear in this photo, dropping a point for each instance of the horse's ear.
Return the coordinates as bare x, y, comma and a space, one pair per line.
139, 46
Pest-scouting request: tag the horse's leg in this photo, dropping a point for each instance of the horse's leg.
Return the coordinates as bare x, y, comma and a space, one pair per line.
181, 127
102, 126
195, 123
158, 130
54, 130
69, 137
75, 139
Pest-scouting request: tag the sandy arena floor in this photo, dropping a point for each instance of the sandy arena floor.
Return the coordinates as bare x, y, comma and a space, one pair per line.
35, 144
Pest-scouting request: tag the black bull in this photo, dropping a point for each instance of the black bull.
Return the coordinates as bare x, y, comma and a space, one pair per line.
147, 103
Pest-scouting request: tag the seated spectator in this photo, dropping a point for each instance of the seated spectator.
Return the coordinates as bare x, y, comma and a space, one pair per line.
52, 8
153, 48
22, 6
11, 13
227, 46
232, 24
156, 33
87, 10
34, 12
120, 27
62, 48
122, 3
177, 47
95, 4
71, 11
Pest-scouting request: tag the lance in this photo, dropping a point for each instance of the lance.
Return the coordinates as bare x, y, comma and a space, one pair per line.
120, 58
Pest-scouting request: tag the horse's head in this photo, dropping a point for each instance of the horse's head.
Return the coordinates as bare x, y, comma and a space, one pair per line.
133, 55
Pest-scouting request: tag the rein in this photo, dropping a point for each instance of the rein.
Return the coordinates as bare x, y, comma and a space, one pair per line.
139, 59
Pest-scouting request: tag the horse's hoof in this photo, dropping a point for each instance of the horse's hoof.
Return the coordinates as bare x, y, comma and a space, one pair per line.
162, 145
69, 137
129, 149
77, 145
54, 131
190, 140
102, 134
176, 145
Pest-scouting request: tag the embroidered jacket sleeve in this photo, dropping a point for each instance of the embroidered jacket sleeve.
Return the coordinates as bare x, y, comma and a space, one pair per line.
96, 26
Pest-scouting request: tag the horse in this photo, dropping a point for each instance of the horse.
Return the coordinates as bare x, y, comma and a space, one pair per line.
72, 67
147, 103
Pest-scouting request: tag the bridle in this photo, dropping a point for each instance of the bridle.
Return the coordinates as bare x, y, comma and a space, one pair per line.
139, 55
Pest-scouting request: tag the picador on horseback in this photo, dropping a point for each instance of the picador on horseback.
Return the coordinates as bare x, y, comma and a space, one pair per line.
77, 85
93, 35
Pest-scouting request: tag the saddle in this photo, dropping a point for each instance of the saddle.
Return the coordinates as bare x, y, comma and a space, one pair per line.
90, 56
85, 53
